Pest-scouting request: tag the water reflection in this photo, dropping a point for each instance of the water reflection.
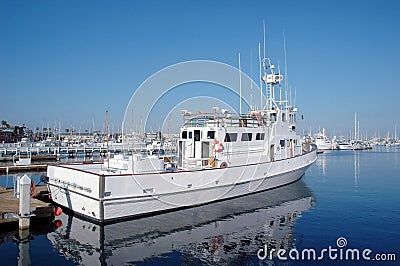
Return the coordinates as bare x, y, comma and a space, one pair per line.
321, 163
356, 170
348, 160
216, 233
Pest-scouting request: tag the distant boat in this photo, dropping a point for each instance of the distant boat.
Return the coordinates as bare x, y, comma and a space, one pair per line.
322, 142
22, 161
345, 146
220, 156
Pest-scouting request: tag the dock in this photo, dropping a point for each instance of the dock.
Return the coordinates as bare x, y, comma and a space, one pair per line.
40, 207
23, 168
42, 157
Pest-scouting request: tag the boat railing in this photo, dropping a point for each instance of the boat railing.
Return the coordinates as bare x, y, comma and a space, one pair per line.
196, 164
217, 120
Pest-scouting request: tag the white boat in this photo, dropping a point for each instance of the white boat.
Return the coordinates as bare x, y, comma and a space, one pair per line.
220, 156
22, 161
345, 146
323, 143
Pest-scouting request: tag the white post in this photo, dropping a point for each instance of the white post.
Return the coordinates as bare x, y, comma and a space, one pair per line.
24, 202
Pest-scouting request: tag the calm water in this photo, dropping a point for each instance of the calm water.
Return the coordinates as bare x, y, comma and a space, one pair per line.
351, 195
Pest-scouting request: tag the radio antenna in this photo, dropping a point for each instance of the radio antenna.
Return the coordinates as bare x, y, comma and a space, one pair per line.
261, 87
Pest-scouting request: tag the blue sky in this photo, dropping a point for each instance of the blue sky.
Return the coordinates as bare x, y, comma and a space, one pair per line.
68, 62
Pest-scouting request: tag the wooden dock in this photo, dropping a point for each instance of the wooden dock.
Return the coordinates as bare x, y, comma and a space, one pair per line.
40, 207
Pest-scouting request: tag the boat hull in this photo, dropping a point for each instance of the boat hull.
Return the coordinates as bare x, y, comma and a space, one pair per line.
107, 198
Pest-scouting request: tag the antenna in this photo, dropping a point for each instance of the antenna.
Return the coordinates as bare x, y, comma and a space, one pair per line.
264, 36
261, 89
295, 96
286, 70
280, 86
240, 88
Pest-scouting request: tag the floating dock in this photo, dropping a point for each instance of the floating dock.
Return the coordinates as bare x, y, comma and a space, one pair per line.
23, 168
9, 205
46, 157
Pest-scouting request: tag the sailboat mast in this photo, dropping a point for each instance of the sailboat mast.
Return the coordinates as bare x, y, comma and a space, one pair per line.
108, 154
355, 126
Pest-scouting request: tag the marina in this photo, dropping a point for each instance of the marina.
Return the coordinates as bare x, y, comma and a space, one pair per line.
199, 133
233, 231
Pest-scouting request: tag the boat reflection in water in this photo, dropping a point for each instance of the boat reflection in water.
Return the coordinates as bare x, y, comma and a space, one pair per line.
222, 232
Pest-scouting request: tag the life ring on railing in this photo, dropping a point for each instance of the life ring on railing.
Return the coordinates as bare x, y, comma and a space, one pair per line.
217, 146
223, 165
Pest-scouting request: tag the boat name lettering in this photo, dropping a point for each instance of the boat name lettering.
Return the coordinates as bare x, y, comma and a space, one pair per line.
66, 184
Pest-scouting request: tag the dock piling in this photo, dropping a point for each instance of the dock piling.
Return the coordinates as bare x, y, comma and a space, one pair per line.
24, 202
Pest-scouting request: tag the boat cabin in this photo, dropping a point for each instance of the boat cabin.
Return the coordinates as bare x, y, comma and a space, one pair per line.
223, 140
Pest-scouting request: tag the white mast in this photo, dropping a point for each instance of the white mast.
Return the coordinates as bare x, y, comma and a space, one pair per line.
108, 154
240, 88
355, 126
251, 80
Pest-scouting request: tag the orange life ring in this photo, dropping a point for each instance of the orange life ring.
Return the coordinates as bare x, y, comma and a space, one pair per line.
217, 146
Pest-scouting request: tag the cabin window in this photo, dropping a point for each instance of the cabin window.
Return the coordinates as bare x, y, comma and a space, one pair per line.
260, 136
273, 117
230, 137
282, 143
190, 134
184, 134
211, 135
246, 136
197, 135
283, 117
